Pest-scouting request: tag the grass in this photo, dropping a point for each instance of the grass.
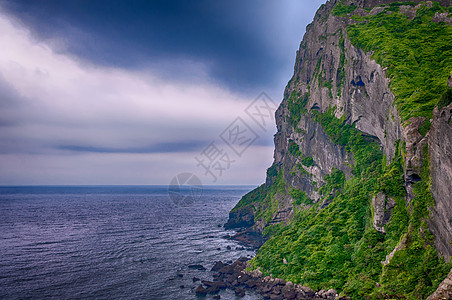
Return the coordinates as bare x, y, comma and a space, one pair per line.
294, 149
297, 106
342, 10
307, 161
418, 74
256, 195
299, 197
446, 98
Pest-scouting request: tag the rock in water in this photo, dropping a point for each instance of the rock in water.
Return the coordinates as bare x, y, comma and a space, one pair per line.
218, 265
200, 291
197, 267
239, 292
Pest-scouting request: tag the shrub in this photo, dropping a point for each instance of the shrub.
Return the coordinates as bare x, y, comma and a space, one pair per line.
342, 10
307, 161
299, 197
294, 149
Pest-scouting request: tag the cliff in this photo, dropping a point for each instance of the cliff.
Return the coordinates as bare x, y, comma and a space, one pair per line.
359, 193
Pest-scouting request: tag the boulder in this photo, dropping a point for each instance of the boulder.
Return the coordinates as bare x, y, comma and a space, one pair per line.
243, 278
239, 292
331, 294
289, 293
217, 267
306, 291
201, 291
250, 283
242, 217
279, 281
276, 297
227, 269
213, 289
197, 267
219, 284
256, 273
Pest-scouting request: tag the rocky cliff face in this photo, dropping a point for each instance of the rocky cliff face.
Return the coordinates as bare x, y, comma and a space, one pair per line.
334, 75
440, 149
359, 91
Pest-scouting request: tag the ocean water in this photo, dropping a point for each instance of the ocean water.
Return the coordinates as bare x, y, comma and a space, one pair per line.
112, 242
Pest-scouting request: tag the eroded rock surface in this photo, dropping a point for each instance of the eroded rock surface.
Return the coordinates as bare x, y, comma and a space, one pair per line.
440, 149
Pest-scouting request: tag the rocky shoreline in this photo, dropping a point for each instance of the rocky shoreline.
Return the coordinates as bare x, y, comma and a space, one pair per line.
235, 277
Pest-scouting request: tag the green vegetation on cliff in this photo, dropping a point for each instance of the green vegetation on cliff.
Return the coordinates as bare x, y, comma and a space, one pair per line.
263, 199
297, 106
342, 10
300, 197
269, 205
446, 98
337, 246
416, 270
417, 54
256, 195
332, 242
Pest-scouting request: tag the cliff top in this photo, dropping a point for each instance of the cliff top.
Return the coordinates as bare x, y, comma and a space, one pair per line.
372, 3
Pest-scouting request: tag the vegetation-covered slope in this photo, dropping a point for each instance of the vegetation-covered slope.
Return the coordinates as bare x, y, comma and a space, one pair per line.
337, 246
333, 241
417, 53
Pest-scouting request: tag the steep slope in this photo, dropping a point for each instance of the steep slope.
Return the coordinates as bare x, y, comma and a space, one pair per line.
359, 197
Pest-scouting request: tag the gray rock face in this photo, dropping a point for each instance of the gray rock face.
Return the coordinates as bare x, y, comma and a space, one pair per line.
382, 211
415, 144
442, 17
440, 149
363, 97
315, 143
241, 218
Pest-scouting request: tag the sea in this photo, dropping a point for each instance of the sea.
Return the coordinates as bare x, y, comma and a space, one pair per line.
113, 242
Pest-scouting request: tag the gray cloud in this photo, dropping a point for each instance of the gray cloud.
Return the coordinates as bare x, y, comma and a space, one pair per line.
243, 45
66, 120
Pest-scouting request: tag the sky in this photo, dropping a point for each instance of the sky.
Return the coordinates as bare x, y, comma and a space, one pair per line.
138, 92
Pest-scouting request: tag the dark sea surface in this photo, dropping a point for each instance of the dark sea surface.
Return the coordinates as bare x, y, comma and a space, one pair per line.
111, 242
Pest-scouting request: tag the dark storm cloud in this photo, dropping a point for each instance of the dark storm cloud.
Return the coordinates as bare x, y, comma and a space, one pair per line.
241, 44
174, 147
